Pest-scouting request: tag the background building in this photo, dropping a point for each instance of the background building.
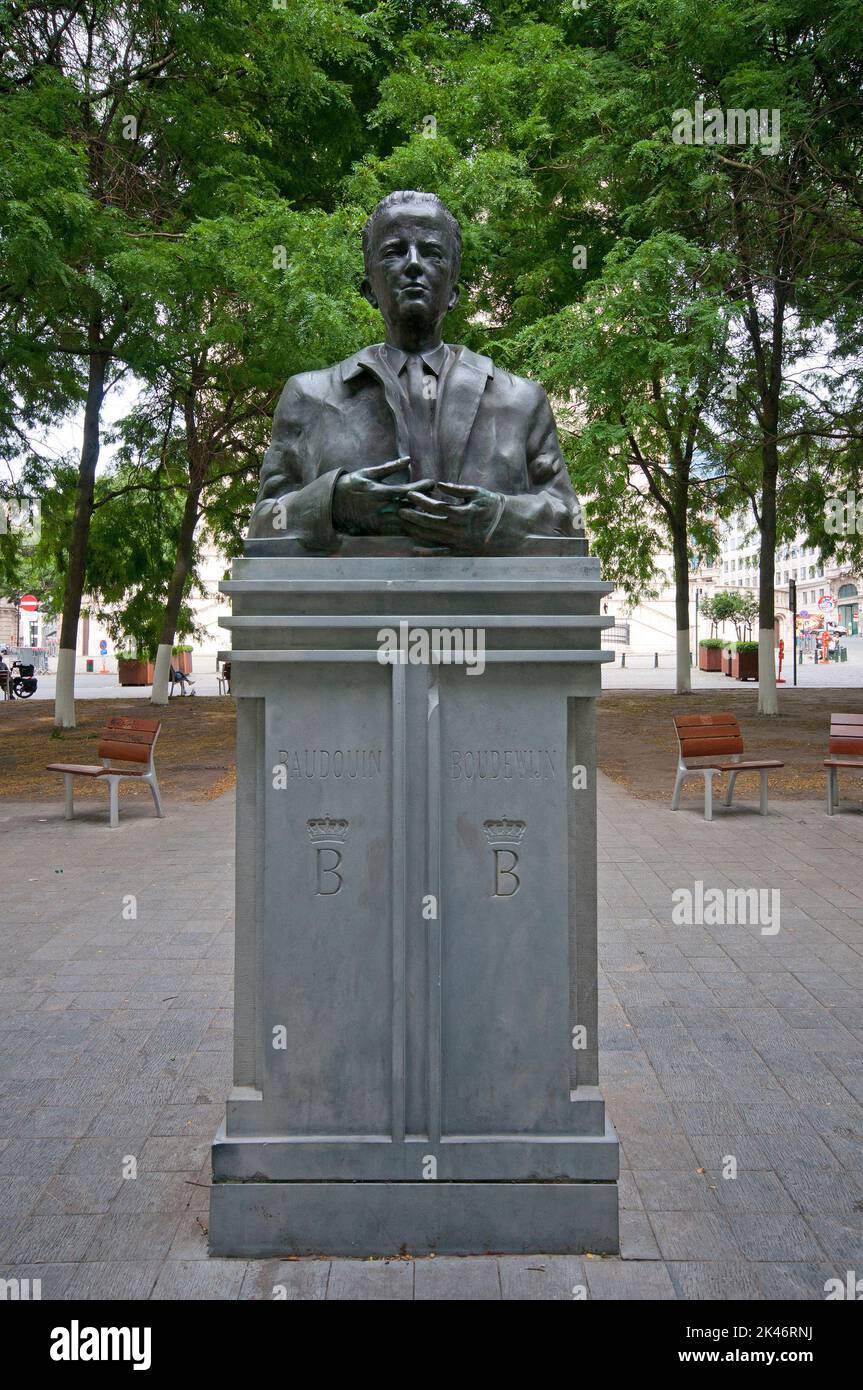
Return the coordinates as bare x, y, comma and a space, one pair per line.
649, 626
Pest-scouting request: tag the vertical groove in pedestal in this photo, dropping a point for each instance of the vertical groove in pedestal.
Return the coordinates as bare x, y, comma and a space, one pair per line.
260, 896
248, 908
399, 891
581, 849
434, 925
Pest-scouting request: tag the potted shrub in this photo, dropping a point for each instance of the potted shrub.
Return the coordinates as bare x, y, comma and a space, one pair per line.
744, 665
181, 659
710, 654
134, 670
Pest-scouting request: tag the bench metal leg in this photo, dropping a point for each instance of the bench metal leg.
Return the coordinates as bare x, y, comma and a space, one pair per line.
154, 788
708, 793
675, 799
114, 802
732, 778
763, 806
70, 808
832, 790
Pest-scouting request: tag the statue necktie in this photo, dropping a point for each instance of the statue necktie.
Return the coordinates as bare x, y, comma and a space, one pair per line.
421, 419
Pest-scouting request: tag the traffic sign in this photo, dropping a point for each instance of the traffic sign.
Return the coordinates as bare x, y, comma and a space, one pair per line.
29, 603
103, 647
826, 603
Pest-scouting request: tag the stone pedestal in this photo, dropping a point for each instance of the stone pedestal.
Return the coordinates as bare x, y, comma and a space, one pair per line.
415, 1033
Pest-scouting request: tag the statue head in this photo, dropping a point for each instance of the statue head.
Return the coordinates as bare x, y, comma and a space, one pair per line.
412, 251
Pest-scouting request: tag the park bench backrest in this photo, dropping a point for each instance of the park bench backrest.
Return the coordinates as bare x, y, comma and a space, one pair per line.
128, 740
707, 735
846, 734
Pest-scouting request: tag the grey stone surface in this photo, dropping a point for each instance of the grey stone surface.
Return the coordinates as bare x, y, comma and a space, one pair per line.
468, 1280
297, 1281
114, 1279
637, 1241
375, 1218
185, 1280
371, 1280
539, 1278
416, 925
715, 1280
628, 1280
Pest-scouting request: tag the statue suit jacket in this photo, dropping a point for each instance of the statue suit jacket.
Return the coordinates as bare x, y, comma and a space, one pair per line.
495, 430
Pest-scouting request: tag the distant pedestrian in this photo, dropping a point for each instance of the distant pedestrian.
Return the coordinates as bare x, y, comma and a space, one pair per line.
5, 675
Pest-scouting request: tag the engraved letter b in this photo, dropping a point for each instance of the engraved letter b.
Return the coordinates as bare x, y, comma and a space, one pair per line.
502, 871
324, 869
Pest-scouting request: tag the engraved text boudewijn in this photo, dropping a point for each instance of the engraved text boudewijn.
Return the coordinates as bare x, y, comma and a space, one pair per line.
491, 763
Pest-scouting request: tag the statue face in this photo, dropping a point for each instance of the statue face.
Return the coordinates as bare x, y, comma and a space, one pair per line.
409, 277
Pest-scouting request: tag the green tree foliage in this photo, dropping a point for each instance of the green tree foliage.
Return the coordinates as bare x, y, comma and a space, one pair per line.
163, 113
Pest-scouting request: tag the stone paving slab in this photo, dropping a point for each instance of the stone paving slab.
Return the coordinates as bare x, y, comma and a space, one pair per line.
722, 1048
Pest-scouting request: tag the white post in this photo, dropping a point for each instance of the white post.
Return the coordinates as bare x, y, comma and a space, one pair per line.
161, 675
684, 670
768, 702
64, 697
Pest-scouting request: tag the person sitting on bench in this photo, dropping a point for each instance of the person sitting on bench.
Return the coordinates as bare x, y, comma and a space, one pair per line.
179, 678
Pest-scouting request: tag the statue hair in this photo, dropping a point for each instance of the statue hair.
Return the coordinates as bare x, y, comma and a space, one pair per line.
412, 195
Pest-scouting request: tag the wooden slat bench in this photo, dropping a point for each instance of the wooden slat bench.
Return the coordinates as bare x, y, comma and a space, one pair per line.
846, 750
122, 740
710, 736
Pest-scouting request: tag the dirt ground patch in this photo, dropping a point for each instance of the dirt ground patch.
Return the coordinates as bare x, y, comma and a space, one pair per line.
195, 758
637, 745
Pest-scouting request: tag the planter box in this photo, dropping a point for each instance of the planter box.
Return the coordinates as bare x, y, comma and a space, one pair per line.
709, 658
135, 672
182, 661
744, 666
727, 657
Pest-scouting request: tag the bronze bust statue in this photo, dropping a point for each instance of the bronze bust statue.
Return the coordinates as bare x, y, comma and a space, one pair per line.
425, 446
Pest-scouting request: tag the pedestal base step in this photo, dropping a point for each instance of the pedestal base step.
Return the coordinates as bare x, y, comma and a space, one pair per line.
259, 1219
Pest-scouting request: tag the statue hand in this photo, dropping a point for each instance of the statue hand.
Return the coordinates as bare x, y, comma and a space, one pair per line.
364, 505
465, 521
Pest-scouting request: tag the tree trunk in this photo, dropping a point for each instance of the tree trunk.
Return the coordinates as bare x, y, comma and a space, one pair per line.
64, 698
176, 589
768, 702
683, 679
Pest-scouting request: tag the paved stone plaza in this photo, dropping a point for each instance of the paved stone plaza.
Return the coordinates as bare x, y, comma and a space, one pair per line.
716, 1041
